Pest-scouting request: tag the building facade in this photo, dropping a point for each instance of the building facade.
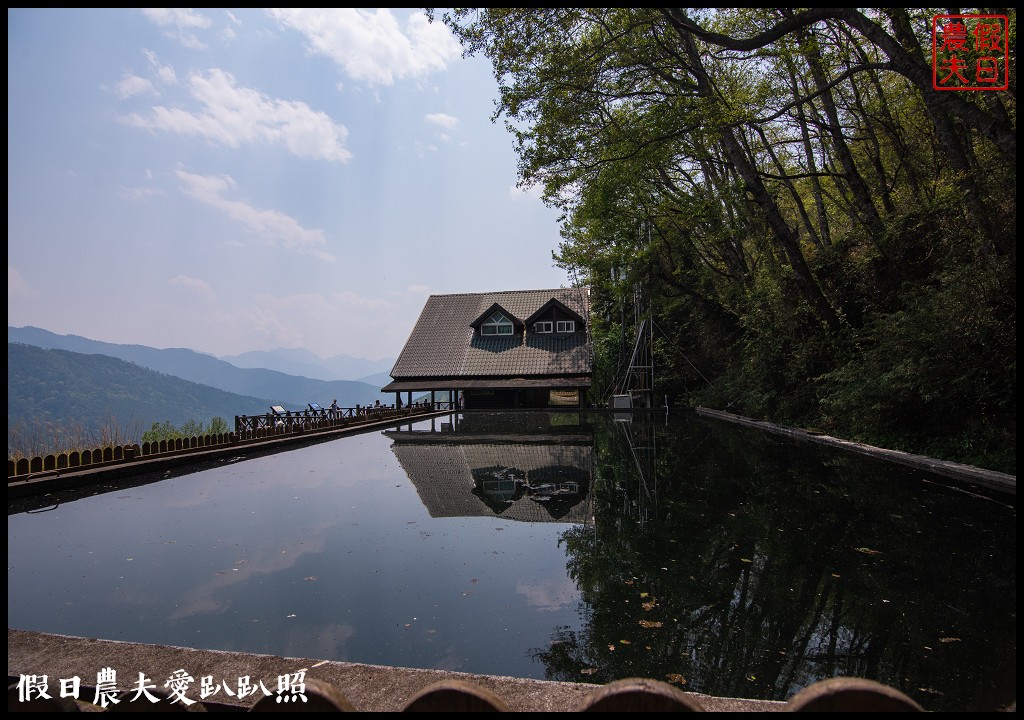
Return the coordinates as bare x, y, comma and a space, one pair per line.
512, 349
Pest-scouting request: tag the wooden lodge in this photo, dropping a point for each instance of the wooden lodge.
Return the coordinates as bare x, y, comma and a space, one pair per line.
512, 349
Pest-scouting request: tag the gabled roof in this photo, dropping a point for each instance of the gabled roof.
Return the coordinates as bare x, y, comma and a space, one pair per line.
444, 477
554, 302
444, 345
495, 307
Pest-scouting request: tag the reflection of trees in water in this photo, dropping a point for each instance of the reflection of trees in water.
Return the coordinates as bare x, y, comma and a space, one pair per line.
762, 569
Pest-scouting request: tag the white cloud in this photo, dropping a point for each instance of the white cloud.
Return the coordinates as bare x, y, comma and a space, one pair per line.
550, 595
131, 85
194, 285
276, 227
533, 191
165, 73
139, 193
422, 149
17, 286
347, 297
449, 122
177, 17
419, 289
234, 116
369, 45
300, 320
178, 22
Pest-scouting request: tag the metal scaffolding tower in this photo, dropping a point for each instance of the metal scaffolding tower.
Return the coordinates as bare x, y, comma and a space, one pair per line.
637, 387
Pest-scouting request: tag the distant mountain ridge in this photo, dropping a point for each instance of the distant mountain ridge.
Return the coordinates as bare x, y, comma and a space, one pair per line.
58, 393
298, 361
294, 392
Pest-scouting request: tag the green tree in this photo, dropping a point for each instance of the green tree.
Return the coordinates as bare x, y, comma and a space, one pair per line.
781, 190
188, 429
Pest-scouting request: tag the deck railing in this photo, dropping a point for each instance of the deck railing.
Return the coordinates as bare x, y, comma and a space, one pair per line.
248, 428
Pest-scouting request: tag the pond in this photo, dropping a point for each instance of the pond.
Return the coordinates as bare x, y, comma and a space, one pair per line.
569, 546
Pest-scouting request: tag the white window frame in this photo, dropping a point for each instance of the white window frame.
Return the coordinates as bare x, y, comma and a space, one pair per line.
566, 326
544, 326
497, 324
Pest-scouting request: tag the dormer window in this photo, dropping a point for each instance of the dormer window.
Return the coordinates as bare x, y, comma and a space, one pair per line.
565, 326
543, 327
496, 324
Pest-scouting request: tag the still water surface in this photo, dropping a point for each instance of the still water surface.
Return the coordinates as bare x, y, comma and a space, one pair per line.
562, 546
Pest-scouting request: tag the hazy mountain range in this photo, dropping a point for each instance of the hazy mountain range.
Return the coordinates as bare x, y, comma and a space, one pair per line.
303, 363
53, 392
147, 385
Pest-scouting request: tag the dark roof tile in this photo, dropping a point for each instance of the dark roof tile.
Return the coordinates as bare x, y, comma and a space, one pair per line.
443, 343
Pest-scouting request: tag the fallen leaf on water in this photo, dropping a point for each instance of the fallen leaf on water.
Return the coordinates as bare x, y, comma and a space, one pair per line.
624, 642
643, 595
588, 671
949, 639
649, 605
868, 551
311, 578
612, 648
650, 623
676, 678
746, 560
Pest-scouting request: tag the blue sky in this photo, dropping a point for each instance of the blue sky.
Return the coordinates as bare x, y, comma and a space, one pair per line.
241, 179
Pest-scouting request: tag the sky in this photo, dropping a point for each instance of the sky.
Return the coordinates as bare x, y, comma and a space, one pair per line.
230, 180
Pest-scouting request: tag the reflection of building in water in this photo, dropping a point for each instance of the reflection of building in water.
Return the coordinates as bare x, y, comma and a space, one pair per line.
530, 478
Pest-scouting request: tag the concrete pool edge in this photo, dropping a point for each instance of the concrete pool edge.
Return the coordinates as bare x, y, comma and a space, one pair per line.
370, 688
993, 479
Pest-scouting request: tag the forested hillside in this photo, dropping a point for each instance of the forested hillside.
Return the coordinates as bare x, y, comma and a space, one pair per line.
293, 391
56, 396
820, 236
